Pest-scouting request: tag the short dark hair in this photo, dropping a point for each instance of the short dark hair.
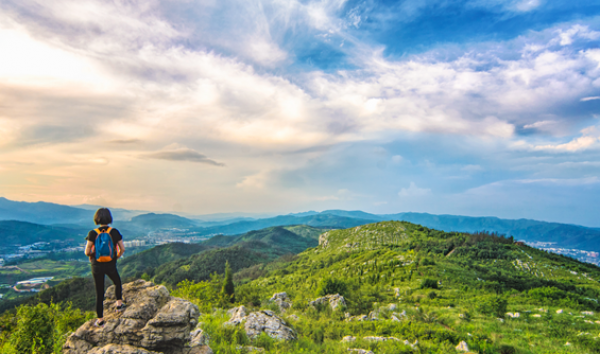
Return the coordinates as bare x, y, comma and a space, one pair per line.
102, 217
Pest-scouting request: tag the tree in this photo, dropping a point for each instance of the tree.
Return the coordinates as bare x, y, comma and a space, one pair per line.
228, 289
35, 330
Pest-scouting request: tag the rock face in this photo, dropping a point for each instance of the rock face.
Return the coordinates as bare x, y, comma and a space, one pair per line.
282, 300
261, 321
153, 322
334, 301
462, 347
323, 242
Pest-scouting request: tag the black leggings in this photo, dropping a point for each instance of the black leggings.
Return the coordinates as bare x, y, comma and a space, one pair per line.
99, 272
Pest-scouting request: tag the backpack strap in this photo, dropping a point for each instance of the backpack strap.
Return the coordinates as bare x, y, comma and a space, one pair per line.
108, 230
98, 232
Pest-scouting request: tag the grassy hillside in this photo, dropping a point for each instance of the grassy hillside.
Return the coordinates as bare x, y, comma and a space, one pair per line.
447, 288
174, 262
243, 251
143, 262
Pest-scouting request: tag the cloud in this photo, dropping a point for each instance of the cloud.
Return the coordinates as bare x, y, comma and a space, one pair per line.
414, 191
176, 153
577, 31
125, 141
589, 139
592, 98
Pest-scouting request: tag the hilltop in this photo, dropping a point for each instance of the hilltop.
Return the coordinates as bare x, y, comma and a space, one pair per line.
438, 288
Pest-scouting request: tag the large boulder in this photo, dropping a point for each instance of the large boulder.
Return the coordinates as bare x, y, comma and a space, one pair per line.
335, 301
153, 322
258, 322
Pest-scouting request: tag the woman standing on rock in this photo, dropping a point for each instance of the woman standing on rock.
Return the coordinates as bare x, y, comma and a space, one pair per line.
104, 246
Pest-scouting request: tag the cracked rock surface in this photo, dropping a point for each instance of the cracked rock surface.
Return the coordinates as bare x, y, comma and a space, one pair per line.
153, 323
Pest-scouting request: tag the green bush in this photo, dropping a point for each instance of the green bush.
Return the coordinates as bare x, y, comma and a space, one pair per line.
507, 349
35, 330
495, 306
330, 286
429, 284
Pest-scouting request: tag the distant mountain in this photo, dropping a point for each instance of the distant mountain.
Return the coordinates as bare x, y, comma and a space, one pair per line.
318, 220
42, 212
158, 221
117, 213
564, 235
25, 233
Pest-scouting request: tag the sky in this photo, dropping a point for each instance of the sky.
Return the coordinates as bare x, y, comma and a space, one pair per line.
478, 107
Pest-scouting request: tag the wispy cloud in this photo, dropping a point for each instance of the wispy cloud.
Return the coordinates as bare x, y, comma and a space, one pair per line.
176, 153
414, 191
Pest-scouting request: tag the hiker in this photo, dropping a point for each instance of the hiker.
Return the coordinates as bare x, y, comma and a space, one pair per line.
104, 246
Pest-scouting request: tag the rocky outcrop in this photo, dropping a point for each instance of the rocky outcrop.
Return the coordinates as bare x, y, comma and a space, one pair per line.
282, 300
381, 339
360, 351
153, 322
462, 347
258, 322
335, 301
323, 242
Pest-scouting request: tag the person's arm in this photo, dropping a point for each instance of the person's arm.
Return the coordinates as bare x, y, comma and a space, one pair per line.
89, 249
121, 248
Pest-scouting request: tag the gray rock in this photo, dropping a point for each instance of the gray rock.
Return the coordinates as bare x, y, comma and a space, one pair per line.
381, 339
237, 315
266, 321
334, 301
120, 349
261, 321
348, 339
462, 347
360, 351
198, 338
153, 322
282, 300
323, 240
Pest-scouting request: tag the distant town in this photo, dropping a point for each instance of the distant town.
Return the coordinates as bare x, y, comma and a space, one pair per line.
581, 255
44, 249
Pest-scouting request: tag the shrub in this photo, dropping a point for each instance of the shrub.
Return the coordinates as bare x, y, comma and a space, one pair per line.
35, 330
507, 349
493, 306
329, 286
429, 284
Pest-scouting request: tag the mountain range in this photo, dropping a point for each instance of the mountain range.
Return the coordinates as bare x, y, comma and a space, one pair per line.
138, 223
